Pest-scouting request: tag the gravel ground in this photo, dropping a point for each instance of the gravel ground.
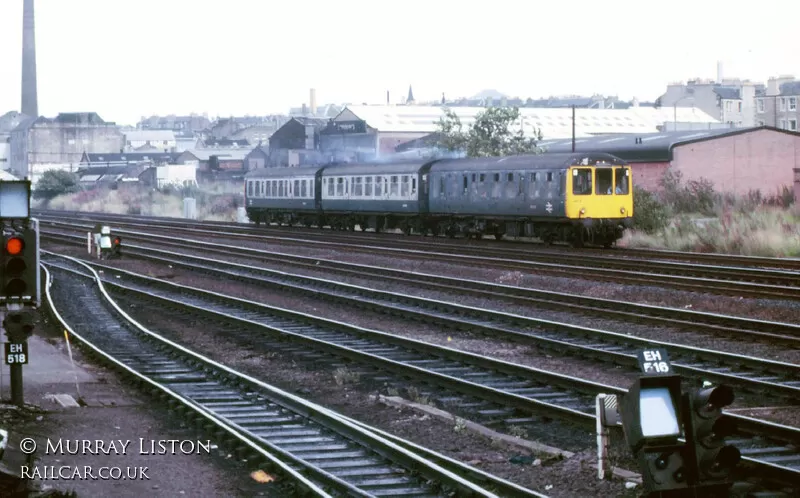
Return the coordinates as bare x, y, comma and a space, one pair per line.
765, 309
569, 478
475, 343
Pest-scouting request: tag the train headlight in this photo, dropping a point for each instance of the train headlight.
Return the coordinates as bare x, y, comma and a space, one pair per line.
622, 210
583, 210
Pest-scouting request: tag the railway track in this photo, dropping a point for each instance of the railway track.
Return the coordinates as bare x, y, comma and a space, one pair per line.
313, 448
505, 389
777, 381
745, 329
716, 279
711, 258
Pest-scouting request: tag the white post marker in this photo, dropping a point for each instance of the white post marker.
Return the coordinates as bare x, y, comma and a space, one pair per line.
607, 416
89, 242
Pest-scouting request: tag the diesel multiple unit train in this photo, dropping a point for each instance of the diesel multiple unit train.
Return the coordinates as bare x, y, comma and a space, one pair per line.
584, 198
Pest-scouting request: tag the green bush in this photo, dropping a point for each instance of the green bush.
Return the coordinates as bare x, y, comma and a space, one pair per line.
697, 196
55, 182
649, 215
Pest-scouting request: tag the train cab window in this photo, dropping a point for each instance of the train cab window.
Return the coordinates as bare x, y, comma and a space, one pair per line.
394, 188
368, 186
303, 189
582, 181
603, 181
330, 186
358, 189
404, 185
621, 177
378, 185
340, 186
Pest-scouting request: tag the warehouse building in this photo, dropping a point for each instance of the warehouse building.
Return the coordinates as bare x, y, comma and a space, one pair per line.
735, 160
380, 129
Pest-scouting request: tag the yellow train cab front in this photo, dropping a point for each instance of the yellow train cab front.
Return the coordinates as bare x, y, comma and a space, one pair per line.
599, 192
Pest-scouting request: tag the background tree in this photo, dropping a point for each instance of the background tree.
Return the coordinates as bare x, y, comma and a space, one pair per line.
494, 133
54, 182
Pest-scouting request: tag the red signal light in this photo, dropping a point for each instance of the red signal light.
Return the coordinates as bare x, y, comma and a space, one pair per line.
14, 246
117, 241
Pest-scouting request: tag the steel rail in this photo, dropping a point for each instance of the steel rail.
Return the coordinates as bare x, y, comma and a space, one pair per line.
507, 384
737, 327
203, 416
766, 377
276, 429
535, 248
639, 273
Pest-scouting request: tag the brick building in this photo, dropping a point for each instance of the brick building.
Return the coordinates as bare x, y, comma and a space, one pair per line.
736, 161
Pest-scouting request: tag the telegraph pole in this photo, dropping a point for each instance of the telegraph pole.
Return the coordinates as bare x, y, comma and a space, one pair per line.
573, 128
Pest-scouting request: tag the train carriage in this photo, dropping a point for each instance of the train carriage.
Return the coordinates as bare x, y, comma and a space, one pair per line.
283, 195
377, 196
532, 195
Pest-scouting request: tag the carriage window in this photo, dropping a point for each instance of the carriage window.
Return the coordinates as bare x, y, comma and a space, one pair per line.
603, 181
303, 189
378, 185
393, 187
534, 177
582, 181
249, 188
521, 184
549, 176
511, 177
466, 182
280, 188
347, 185
441, 186
368, 186
340, 186
473, 177
482, 178
296, 187
497, 177
358, 189
330, 186
404, 185
413, 185
621, 184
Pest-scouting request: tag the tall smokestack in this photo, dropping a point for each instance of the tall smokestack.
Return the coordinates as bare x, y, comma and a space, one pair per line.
387, 97
30, 105
719, 72
313, 102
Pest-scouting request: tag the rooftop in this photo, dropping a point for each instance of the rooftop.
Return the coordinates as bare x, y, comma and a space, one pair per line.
654, 147
553, 122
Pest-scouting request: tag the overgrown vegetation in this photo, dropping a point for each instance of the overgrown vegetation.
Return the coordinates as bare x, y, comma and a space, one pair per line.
494, 133
54, 183
214, 202
692, 216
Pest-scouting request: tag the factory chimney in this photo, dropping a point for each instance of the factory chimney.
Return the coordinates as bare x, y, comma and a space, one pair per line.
30, 106
387, 97
313, 102
719, 72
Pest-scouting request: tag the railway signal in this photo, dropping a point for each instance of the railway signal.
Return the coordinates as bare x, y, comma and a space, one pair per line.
652, 420
116, 246
655, 414
21, 265
707, 428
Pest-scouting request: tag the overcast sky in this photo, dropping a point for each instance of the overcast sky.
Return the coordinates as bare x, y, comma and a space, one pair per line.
129, 58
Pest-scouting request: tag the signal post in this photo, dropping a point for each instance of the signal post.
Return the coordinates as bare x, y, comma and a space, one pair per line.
678, 438
19, 272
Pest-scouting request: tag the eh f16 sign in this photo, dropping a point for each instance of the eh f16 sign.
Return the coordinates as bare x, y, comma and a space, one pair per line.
654, 362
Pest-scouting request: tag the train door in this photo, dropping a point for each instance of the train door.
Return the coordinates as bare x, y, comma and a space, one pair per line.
422, 192
562, 191
318, 191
